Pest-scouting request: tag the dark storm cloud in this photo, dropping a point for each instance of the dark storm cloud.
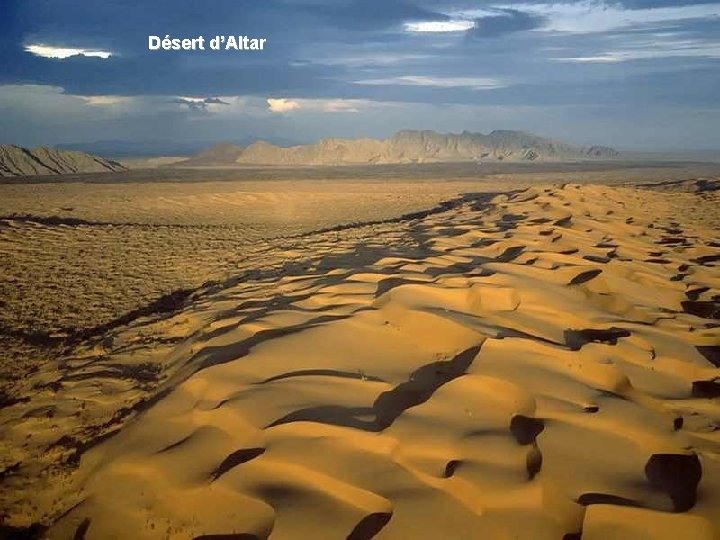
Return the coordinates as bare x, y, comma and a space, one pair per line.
122, 27
298, 34
628, 53
169, 74
198, 104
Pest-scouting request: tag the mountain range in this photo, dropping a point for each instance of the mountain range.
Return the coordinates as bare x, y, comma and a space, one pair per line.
19, 161
118, 149
403, 147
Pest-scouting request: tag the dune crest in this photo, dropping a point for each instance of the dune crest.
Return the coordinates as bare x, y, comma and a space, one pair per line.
537, 365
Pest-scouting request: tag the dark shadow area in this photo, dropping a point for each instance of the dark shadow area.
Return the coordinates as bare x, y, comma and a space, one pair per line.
510, 254
584, 277
323, 373
704, 310
711, 353
370, 526
533, 461
389, 405
575, 339
526, 429
694, 294
451, 467
233, 536
35, 531
82, 529
705, 260
597, 259
236, 458
587, 499
706, 389
677, 475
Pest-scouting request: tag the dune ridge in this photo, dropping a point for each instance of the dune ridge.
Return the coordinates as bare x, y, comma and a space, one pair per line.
537, 364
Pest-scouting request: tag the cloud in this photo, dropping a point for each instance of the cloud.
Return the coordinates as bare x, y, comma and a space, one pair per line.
505, 21
196, 104
606, 116
282, 105
644, 4
215, 101
421, 54
682, 43
653, 50
439, 26
47, 51
605, 58
106, 101
343, 105
476, 83
595, 17
369, 15
368, 59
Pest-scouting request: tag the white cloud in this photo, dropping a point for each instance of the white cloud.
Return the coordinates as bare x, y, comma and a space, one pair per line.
476, 83
106, 101
440, 26
47, 51
372, 59
606, 58
649, 49
594, 16
282, 105
192, 99
321, 105
42, 96
342, 105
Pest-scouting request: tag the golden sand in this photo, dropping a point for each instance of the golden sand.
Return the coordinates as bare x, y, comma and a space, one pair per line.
538, 364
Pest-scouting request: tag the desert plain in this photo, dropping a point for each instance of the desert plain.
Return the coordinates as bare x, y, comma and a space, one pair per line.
441, 351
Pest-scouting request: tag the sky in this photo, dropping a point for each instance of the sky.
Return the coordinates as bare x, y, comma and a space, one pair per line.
633, 74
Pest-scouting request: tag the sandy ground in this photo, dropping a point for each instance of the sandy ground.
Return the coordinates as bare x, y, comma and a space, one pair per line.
535, 364
75, 257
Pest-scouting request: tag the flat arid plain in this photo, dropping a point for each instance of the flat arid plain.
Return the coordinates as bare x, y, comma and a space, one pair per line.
493, 352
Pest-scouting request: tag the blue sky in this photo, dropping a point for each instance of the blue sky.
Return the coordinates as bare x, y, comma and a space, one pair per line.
638, 74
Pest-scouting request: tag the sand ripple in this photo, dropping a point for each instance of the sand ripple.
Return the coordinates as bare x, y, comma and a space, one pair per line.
540, 365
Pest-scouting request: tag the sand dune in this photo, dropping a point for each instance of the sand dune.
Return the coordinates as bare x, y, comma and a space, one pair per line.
537, 364
76, 258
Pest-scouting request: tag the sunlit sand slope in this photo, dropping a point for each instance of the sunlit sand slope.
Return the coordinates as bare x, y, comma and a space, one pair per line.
537, 365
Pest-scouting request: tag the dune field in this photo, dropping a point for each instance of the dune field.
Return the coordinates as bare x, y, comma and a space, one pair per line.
534, 362
76, 258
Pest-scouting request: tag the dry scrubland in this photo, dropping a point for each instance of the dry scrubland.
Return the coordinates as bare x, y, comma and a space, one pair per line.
538, 363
